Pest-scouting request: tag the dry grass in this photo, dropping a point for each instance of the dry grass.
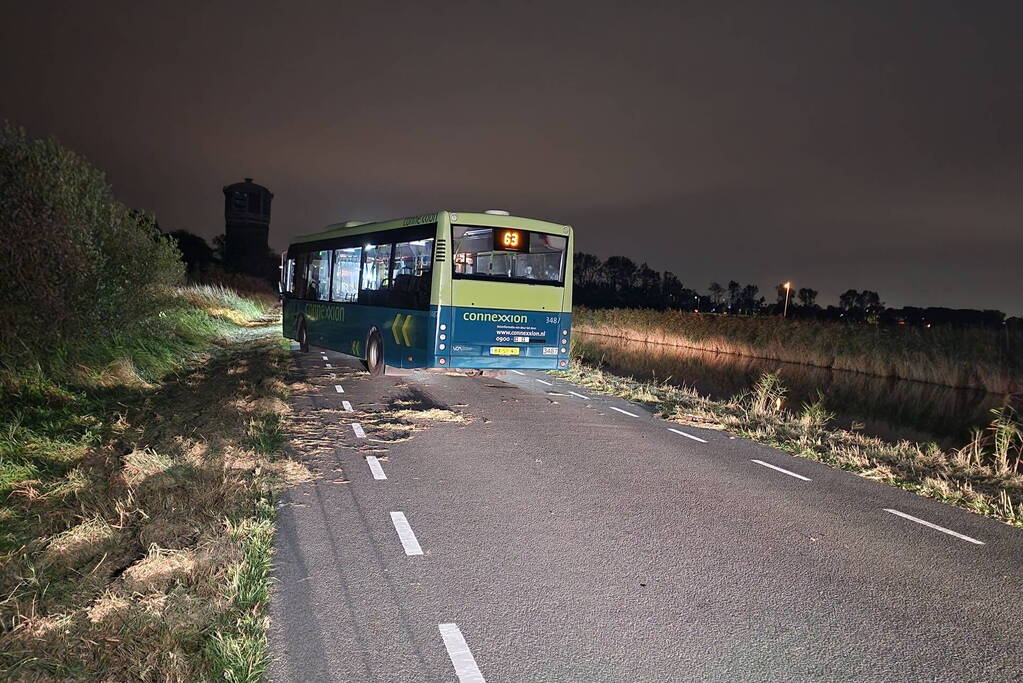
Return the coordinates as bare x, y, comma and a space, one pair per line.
972, 358
226, 303
985, 477
141, 550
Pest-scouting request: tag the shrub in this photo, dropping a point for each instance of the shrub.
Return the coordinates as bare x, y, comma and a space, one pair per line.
75, 264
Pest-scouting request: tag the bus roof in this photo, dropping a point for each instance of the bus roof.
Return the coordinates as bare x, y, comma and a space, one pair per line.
472, 218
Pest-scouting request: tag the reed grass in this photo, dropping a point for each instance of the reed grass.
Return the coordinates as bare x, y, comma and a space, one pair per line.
976, 358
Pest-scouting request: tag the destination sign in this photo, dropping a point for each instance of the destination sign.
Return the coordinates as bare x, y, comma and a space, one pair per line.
506, 239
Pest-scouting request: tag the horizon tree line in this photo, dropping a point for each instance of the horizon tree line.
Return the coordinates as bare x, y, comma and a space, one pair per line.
619, 282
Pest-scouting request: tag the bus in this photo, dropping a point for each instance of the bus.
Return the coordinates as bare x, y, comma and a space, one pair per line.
453, 290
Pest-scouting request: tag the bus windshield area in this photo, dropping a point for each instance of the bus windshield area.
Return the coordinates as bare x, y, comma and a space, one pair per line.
508, 255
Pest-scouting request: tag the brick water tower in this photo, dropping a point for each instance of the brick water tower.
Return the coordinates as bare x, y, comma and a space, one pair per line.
247, 229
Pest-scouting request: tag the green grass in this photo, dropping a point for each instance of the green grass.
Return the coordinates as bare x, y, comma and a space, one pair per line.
238, 649
958, 357
985, 477
266, 434
137, 479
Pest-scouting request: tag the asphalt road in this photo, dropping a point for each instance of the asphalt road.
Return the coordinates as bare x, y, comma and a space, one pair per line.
564, 540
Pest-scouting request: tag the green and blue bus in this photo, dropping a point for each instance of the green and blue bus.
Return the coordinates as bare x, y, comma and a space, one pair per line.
444, 290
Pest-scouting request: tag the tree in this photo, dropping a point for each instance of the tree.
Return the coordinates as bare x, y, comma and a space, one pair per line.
621, 271
807, 297
195, 252
869, 302
733, 294
587, 268
748, 299
649, 279
716, 293
220, 246
781, 291
849, 300
870, 305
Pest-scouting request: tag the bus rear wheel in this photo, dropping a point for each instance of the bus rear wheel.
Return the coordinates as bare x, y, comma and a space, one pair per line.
303, 338
375, 354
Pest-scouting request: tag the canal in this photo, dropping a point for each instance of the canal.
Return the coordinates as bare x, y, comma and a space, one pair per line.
890, 408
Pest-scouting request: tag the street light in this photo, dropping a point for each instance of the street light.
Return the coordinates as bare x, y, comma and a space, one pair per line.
788, 288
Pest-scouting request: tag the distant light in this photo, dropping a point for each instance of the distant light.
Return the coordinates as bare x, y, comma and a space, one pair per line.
497, 212
788, 285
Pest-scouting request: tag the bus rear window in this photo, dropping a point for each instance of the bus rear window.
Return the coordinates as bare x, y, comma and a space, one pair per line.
509, 255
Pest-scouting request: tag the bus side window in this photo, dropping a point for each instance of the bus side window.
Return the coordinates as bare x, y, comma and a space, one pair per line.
319, 275
301, 275
346, 274
412, 274
288, 276
376, 275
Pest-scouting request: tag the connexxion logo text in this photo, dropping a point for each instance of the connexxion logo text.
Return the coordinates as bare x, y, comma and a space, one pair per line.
495, 317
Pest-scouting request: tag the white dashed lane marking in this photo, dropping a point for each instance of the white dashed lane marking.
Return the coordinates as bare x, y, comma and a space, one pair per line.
623, 412
347, 406
339, 389
359, 432
688, 436
405, 535
375, 468
543, 381
778, 469
575, 393
328, 365
934, 526
461, 657
518, 372
324, 358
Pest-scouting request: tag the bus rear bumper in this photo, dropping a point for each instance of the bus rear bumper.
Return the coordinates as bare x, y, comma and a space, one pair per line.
497, 363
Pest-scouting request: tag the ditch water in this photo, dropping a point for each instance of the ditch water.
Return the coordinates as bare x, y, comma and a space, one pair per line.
892, 409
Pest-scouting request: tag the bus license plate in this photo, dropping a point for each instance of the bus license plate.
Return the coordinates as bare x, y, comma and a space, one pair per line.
504, 350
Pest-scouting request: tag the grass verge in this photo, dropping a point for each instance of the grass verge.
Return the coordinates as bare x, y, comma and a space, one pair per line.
985, 477
136, 499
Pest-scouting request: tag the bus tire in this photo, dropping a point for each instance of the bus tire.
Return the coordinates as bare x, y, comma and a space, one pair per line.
303, 337
374, 354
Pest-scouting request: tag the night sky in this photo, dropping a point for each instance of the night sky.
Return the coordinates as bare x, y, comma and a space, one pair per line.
840, 145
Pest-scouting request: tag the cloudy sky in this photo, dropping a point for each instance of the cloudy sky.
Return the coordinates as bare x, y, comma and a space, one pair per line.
836, 144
